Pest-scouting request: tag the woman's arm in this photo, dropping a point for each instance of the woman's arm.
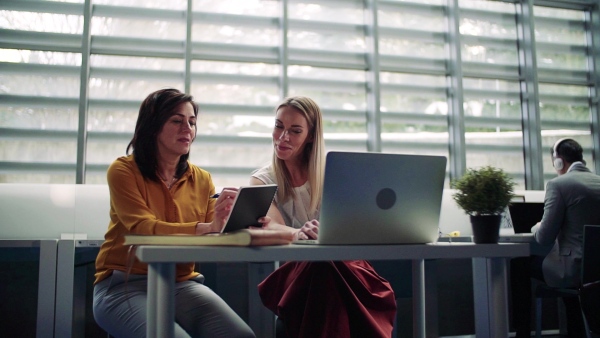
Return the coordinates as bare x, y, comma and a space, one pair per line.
275, 220
222, 210
139, 205
310, 229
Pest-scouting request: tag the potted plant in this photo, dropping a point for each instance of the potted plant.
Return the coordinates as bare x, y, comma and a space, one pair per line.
484, 195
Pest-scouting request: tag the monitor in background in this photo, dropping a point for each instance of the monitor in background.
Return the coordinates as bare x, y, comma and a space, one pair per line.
518, 198
452, 217
525, 215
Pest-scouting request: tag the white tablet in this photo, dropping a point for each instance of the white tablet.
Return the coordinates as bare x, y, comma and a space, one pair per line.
252, 202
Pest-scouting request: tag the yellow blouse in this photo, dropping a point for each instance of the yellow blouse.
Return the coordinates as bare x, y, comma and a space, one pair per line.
142, 206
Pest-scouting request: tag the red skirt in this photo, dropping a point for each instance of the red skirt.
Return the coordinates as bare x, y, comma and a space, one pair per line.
330, 299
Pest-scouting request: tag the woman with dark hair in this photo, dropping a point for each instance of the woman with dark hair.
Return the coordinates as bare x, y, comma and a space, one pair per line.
156, 190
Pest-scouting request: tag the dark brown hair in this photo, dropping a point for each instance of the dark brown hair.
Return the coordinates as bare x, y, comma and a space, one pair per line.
155, 110
569, 150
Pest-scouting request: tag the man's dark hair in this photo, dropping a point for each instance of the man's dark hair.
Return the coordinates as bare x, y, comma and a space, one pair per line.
154, 112
570, 150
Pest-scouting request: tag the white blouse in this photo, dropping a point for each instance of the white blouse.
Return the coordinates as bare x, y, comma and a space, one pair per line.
294, 211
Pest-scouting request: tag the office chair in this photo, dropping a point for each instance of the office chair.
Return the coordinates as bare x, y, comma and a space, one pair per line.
590, 298
588, 292
545, 291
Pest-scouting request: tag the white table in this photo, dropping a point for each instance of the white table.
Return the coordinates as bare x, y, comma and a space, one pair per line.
489, 274
534, 247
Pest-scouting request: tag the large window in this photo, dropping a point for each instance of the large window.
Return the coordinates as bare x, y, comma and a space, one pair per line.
459, 78
490, 63
135, 50
40, 61
564, 81
413, 87
325, 61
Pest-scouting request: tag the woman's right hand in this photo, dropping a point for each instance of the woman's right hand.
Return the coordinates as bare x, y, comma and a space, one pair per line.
222, 208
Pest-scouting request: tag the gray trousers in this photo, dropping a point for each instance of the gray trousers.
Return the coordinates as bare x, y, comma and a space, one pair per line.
120, 309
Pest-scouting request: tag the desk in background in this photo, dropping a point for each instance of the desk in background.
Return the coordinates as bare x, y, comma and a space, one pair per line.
489, 274
72, 257
46, 280
60, 209
535, 249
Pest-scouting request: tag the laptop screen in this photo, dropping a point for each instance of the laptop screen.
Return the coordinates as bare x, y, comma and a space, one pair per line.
525, 215
381, 198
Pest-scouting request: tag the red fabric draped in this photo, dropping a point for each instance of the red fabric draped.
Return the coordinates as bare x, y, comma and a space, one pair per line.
330, 299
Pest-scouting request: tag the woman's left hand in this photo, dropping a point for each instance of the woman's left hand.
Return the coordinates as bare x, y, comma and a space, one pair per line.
310, 230
265, 223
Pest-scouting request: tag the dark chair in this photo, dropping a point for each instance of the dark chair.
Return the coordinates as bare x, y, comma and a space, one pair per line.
588, 292
590, 298
544, 291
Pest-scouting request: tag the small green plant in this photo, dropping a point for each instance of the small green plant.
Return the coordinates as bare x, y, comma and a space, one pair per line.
485, 191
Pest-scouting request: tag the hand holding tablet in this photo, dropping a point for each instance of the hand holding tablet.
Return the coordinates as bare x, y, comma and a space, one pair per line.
251, 203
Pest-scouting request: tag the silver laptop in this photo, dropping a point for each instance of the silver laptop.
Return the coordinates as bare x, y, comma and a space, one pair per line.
378, 198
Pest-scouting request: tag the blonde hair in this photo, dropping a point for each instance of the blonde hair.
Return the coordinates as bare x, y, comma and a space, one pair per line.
313, 156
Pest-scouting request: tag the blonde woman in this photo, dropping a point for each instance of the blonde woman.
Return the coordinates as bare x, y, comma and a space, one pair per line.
315, 299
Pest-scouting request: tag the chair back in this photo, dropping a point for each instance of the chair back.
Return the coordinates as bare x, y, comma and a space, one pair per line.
589, 294
590, 263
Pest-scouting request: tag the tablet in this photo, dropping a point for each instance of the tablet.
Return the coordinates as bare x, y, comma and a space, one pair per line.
251, 203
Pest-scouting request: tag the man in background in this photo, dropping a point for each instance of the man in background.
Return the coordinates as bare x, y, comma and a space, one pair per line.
572, 201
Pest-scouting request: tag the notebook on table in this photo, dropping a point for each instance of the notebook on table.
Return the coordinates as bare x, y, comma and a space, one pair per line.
380, 198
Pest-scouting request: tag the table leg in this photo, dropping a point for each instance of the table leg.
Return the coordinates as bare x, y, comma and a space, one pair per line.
490, 297
160, 318
260, 319
418, 285
65, 268
46, 289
